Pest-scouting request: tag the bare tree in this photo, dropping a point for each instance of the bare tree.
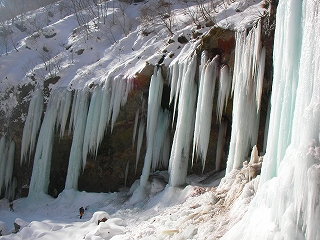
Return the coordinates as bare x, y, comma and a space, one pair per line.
51, 62
84, 13
158, 14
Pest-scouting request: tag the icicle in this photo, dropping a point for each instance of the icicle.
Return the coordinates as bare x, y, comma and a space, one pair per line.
92, 125
224, 90
181, 74
202, 71
32, 124
160, 139
204, 109
10, 191
178, 163
3, 161
118, 90
254, 155
135, 127
139, 142
64, 110
247, 78
126, 173
105, 109
10, 163
289, 185
42, 159
221, 142
75, 159
154, 105
260, 76
174, 75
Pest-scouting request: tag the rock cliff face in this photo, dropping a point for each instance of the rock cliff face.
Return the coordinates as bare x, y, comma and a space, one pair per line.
113, 167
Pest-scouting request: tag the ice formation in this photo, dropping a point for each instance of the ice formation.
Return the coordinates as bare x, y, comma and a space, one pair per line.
247, 89
287, 203
224, 90
7, 150
154, 111
139, 141
42, 160
32, 124
79, 117
91, 112
187, 92
201, 136
136, 119
221, 142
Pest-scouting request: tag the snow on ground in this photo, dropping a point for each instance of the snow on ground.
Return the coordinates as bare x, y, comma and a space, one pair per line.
201, 210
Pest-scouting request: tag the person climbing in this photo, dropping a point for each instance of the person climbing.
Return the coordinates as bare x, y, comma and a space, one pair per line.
11, 206
81, 211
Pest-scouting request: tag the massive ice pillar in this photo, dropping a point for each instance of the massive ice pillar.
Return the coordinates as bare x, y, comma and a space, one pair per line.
288, 196
42, 160
187, 92
32, 124
201, 136
247, 89
154, 111
78, 121
7, 150
287, 50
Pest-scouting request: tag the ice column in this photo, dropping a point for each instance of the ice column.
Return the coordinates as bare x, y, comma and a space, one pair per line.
79, 117
3, 161
32, 124
135, 127
221, 142
247, 88
287, 50
139, 141
42, 159
203, 119
154, 108
7, 150
290, 180
161, 144
224, 90
179, 157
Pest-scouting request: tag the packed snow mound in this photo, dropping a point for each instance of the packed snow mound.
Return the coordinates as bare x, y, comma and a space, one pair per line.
107, 229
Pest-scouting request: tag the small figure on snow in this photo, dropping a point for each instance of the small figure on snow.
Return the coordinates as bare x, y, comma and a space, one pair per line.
11, 206
81, 211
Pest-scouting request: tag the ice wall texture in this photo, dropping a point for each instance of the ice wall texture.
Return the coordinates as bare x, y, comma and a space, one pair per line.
287, 203
247, 86
7, 182
90, 111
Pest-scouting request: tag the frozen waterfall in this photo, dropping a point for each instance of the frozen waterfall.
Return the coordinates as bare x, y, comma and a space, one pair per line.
91, 111
7, 150
32, 124
247, 89
201, 136
154, 105
42, 160
287, 203
187, 92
